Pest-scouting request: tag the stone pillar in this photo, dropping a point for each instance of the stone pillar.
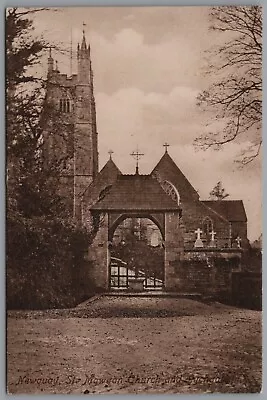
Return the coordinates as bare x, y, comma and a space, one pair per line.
174, 248
98, 256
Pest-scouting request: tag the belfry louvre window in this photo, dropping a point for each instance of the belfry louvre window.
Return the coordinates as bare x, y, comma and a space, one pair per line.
65, 105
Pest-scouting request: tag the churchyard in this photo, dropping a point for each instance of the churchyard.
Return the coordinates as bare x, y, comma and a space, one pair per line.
134, 344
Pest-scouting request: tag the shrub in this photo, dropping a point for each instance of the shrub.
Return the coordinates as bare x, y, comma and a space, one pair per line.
43, 262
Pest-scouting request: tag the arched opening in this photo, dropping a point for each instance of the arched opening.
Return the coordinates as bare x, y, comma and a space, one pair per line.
65, 104
207, 228
136, 255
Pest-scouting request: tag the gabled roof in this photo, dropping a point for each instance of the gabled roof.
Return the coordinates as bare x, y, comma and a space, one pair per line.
109, 168
105, 177
232, 210
136, 193
168, 170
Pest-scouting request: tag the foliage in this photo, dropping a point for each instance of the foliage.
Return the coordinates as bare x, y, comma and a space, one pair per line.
45, 248
44, 260
218, 192
22, 51
139, 256
235, 96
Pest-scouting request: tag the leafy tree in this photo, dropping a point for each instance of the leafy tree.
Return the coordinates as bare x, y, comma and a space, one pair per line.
23, 107
235, 96
218, 192
31, 188
44, 248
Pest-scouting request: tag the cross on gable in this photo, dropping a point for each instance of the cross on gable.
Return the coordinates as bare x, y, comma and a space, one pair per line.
137, 155
110, 152
166, 145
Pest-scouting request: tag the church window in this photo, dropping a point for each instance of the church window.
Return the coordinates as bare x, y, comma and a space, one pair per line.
171, 190
65, 105
207, 226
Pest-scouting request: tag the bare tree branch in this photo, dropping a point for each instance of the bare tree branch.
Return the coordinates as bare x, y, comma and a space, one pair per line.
235, 96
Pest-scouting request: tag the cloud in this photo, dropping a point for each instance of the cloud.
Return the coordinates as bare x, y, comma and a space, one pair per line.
133, 114
147, 66
131, 118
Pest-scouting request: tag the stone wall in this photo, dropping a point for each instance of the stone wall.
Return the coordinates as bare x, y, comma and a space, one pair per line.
193, 216
207, 272
173, 251
98, 256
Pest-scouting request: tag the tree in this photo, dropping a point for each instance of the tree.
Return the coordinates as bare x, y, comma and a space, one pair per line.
44, 247
23, 107
218, 192
31, 189
235, 95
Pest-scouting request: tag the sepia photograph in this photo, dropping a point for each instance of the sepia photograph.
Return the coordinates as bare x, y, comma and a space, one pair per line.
133, 200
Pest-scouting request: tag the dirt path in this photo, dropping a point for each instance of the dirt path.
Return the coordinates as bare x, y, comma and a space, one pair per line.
135, 345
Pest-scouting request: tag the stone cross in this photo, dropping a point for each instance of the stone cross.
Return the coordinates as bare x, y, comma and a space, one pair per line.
238, 241
198, 232
212, 235
110, 154
198, 242
212, 241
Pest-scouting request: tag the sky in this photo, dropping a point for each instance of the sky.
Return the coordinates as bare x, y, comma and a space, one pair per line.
149, 66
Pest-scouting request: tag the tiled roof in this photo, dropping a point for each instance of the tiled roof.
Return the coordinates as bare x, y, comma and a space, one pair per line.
105, 177
136, 192
232, 210
168, 170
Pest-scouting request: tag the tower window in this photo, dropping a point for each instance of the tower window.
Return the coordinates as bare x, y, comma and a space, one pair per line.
65, 105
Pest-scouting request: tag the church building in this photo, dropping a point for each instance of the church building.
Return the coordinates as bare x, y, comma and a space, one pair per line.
202, 241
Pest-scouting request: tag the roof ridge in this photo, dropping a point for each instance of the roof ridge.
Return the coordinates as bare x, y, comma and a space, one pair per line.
110, 161
167, 158
215, 212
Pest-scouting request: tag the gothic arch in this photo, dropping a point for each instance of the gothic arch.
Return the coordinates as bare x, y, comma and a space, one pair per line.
124, 216
65, 102
207, 225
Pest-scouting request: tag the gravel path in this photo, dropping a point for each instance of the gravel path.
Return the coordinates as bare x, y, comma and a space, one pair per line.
135, 345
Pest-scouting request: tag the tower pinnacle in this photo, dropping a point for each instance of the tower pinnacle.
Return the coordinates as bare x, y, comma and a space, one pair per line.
83, 58
83, 46
50, 61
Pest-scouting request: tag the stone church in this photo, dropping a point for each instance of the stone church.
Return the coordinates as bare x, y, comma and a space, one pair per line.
202, 241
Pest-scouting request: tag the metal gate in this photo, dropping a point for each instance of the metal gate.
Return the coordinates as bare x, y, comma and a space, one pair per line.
122, 277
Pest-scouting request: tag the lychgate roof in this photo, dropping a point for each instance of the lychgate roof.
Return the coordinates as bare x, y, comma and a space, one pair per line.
106, 176
136, 193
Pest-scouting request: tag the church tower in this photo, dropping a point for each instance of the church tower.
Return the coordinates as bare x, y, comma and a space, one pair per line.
70, 137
